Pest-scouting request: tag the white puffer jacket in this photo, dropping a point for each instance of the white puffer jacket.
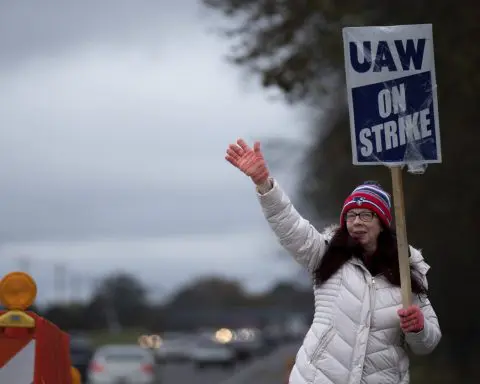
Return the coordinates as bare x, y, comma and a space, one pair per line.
355, 337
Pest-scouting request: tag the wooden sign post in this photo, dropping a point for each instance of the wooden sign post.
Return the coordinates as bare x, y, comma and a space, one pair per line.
393, 110
402, 242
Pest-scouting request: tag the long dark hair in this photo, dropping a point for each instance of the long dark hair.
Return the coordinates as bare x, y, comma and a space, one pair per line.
342, 247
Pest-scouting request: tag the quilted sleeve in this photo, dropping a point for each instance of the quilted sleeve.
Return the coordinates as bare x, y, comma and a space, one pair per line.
425, 341
294, 233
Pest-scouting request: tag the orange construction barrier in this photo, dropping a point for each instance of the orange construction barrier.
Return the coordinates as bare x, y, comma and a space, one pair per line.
32, 349
76, 378
288, 368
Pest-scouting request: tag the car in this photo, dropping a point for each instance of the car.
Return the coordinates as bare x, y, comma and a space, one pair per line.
247, 343
208, 352
173, 349
125, 364
81, 352
274, 334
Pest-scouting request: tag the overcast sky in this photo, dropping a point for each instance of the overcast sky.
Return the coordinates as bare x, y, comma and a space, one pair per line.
115, 116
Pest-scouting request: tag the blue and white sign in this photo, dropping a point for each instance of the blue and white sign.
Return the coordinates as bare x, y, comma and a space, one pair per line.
392, 95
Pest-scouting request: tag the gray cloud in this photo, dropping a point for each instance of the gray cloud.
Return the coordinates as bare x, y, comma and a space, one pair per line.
74, 162
106, 212
53, 27
115, 117
96, 147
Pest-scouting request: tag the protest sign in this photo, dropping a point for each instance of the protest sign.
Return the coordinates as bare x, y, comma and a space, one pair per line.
392, 100
392, 95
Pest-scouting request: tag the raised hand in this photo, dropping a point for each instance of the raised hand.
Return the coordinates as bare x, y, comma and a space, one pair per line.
249, 161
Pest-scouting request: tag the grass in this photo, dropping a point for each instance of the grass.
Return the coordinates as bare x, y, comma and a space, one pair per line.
128, 336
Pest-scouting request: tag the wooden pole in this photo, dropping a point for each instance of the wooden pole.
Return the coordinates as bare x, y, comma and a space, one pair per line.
402, 242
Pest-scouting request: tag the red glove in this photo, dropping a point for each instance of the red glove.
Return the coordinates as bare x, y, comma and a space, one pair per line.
411, 319
250, 162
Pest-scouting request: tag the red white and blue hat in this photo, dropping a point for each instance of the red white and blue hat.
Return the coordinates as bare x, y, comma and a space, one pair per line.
369, 195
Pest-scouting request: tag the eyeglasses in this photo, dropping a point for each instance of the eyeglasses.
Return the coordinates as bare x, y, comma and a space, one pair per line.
366, 216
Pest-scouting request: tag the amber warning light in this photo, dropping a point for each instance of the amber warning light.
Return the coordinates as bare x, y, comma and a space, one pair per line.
17, 292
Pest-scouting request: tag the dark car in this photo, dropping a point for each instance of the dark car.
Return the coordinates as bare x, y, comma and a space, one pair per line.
81, 352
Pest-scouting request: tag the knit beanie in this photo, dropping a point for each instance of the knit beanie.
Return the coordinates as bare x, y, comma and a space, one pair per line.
369, 195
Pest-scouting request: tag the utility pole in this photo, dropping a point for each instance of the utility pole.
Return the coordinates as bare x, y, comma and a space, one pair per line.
60, 281
76, 287
24, 264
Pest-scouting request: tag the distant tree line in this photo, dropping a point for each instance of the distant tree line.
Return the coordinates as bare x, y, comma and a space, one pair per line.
121, 301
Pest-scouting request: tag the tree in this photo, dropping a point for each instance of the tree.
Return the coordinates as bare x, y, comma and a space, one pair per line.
206, 302
287, 295
296, 47
67, 317
119, 301
208, 293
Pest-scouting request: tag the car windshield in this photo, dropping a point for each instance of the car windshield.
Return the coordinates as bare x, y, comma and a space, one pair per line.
123, 355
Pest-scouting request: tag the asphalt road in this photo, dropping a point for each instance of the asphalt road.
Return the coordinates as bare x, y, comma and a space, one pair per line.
185, 373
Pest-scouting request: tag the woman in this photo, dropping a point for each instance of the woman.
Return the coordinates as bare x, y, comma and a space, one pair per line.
360, 333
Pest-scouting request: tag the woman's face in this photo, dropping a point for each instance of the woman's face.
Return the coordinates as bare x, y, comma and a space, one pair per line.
364, 226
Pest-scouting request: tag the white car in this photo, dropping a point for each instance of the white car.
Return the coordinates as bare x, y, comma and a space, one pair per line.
122, 364
207, 352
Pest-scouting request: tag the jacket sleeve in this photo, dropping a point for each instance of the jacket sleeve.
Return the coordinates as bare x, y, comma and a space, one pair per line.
425, 341
294, 233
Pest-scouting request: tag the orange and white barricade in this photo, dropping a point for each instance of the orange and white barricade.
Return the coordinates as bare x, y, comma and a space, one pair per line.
32, 349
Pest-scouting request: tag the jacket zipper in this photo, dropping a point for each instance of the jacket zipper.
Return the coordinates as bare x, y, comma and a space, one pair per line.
372, 299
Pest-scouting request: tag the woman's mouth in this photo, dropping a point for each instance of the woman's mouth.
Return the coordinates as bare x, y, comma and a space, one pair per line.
359, 234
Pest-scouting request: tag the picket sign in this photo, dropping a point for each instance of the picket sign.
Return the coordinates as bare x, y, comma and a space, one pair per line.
392, 99
32, 349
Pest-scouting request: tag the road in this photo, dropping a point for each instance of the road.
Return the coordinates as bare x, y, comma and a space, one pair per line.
269, 369
185, 373
272, 369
